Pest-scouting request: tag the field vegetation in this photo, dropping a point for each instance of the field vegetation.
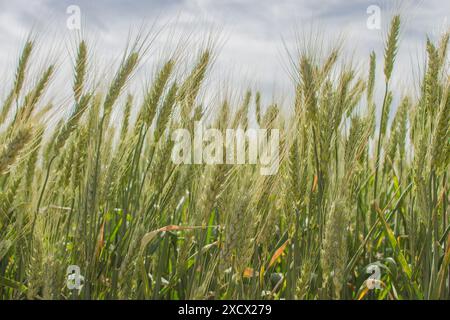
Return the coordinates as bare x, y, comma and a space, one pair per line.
356, 186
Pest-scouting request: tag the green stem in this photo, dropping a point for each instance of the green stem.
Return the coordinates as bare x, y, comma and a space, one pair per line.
380, 134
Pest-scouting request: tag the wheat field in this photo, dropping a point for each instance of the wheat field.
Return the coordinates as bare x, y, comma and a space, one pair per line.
352, 195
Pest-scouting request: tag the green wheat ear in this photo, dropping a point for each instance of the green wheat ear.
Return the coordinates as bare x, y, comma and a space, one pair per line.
118, 83
258, 107
80, 70
19, 80
190, 88
166, 111
371, 80
443, 47
32, 98
11, 151
67, 128
126, 117
441, 135
308, 88
391, 47
150, 105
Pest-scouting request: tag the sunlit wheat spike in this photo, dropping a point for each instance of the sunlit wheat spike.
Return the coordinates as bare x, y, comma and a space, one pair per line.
270, 116
398, 130
7, 197
71, 124
431, 79
258, 107
30, 170
21, 69
441, 134
443, 47
308, 88
126, 116
357, 140
240, 117
166, 111
371, 80
19, 80
153, 96
125, 70
391, 48
80, 70
329, 63
342, 97
11, 151
190, 87
35, 95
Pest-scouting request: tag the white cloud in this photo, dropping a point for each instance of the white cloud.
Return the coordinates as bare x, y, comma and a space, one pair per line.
253, 28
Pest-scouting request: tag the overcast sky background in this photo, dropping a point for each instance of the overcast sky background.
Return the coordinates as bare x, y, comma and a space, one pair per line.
253, 31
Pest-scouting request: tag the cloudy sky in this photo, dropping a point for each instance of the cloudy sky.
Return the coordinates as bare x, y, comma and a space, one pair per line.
253, 31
